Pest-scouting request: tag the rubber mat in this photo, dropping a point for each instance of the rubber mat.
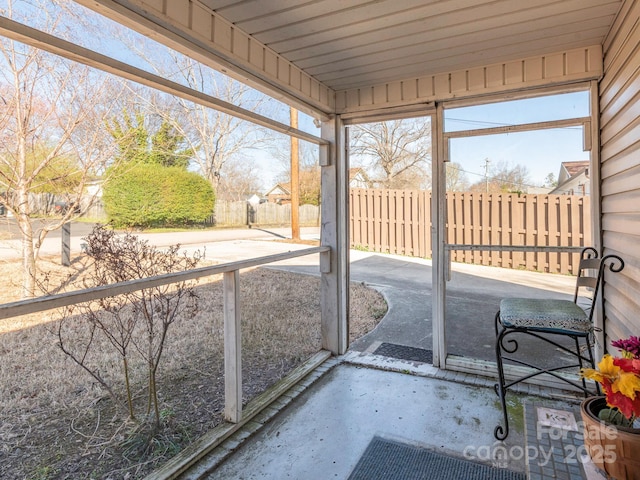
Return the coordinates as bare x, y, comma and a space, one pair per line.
402, 352
391, 460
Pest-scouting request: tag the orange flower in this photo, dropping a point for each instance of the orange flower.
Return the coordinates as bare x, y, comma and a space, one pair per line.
620, 379
607, 370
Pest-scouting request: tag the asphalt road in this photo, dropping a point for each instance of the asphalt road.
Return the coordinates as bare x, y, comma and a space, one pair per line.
9, 228
10, 236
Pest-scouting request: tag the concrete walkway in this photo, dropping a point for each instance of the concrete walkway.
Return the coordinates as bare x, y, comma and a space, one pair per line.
473, 298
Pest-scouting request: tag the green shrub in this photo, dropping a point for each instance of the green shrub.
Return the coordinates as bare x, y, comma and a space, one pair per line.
147, 195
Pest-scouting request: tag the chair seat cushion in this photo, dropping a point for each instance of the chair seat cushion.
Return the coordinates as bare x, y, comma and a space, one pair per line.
548, 315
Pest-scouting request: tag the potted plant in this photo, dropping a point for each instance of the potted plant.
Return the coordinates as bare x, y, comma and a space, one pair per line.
611, 433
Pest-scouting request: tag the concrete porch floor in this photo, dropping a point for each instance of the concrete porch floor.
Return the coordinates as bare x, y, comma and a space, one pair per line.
325, 428
319, 429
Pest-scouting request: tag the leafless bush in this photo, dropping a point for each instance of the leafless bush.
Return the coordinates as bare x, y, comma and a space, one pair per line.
134, 324
53, 418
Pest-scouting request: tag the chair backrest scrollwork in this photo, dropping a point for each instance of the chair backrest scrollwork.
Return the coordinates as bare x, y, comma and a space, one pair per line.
591, 271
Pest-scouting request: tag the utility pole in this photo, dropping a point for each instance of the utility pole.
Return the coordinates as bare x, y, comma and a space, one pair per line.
295, 180
486, 174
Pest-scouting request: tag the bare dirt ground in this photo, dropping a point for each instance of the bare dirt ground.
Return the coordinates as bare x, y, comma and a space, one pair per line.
57, 422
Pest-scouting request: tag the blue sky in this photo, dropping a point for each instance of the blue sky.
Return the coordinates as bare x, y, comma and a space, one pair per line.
540, 151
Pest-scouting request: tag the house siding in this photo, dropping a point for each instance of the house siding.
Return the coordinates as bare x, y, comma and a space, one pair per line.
620, 170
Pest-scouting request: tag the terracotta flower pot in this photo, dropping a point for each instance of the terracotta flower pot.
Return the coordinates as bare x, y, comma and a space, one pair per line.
613, 449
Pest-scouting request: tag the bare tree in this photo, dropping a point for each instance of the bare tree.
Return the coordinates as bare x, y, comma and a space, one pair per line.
221, 143
397, 153
457, 180
240, 180
503, 178
53, 134
550, 181
220, 140
310, 185
309, 171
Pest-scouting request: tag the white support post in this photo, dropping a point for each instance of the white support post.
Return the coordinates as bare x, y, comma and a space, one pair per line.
438, 240
334, 233
232, 348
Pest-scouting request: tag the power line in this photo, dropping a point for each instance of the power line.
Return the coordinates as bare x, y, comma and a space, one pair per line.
488, 124
493, 178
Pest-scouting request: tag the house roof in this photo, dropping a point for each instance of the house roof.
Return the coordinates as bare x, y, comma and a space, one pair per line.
572, 178
573, 168
280, 189
285, 188
354, 172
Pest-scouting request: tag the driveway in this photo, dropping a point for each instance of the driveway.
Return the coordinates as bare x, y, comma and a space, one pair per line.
473, 297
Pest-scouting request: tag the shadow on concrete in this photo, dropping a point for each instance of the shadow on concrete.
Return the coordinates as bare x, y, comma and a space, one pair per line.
267, 231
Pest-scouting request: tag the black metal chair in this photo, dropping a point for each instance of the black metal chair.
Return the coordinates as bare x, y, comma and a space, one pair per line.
550, 320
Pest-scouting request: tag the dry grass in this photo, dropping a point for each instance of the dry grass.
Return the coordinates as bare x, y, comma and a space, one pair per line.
55, 421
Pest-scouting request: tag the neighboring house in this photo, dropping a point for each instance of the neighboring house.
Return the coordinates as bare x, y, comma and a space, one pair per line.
573, 179
358, 178
94, 188
280, 194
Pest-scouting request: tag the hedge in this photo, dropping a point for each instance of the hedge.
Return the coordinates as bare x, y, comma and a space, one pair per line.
148, 195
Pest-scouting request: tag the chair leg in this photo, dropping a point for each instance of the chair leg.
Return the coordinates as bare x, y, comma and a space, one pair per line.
592, 364
501, 432
580, 364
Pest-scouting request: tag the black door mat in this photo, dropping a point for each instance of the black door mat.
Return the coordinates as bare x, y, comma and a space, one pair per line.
390, 460
403, 352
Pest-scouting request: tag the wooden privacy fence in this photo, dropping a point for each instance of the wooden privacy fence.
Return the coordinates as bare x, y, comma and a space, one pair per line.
229, 214
236, 214
545, 231
391, 221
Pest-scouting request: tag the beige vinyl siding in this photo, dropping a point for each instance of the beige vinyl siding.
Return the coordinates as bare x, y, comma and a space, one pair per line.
620, 170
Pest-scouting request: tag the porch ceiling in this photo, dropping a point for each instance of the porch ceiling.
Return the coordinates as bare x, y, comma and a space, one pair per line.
348, 44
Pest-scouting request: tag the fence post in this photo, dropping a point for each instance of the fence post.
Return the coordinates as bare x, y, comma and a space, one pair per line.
66, 244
